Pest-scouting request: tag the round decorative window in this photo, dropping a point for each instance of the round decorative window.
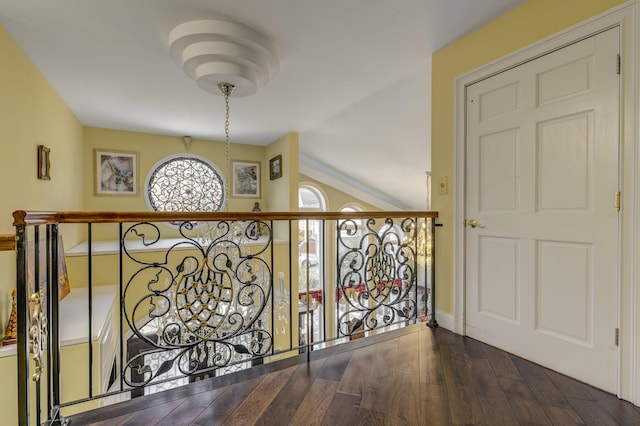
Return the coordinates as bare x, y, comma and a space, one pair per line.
185, 183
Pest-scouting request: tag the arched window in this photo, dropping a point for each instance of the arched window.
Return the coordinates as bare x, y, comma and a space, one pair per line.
311, 253
311, 199
185, 183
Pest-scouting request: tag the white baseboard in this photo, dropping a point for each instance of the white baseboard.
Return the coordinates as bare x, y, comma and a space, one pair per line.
445, 320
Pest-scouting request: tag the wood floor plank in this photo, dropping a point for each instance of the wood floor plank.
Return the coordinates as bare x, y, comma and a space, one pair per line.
473, 348
563, 416
408, 347
404, 404
528, 412
149, 416
432, 364
286, 403
227, 402
369, 417
465, 406
540, 384
493, 401
191, 408
501, 363
444, 336
357, 371
570, 388
424, 349
523, 402
251, 409
315, 405
123, 420
592, 413
622, 411
435, 408
376, 393
344, 409
335, 366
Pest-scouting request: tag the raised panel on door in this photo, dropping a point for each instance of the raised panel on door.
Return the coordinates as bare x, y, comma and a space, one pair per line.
498, 178
564, 291
565, 163
498, 283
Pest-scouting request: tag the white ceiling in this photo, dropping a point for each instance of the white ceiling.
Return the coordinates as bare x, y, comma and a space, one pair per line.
354, 77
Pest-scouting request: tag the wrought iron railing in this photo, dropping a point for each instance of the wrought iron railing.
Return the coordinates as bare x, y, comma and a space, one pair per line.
168, 298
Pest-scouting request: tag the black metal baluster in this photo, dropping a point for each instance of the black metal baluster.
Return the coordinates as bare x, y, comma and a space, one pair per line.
90, 308
22, 310
433, 322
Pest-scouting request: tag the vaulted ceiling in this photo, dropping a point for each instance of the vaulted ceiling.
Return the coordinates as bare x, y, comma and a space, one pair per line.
354, 77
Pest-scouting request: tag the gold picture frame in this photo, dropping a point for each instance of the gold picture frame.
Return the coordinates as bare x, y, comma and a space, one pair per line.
44, 162
245, 179
116, 172
275, 167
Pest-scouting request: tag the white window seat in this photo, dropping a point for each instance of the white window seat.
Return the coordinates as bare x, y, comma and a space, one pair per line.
74, 315
108, 247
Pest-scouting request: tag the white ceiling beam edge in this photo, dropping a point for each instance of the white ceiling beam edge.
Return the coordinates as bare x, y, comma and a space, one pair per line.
329, 176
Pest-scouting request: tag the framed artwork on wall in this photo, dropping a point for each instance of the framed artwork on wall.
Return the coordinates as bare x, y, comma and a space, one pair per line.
116, 173
44, 164
40, 258
275, 167
245, 179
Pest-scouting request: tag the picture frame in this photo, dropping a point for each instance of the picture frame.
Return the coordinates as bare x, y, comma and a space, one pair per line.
40, 259
44, 162
116, 172
275, 167
245, 179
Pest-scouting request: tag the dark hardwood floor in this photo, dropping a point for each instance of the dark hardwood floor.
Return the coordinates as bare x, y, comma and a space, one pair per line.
414, 376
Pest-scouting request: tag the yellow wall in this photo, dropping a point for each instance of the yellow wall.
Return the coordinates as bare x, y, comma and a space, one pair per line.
518, 28
151, 149
31, 114
282, 193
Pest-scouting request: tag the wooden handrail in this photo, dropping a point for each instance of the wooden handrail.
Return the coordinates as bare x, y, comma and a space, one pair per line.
7, 242
22, 217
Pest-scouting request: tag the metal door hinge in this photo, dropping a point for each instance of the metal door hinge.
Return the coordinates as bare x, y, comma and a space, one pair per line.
617, 338
618, 64
616, 204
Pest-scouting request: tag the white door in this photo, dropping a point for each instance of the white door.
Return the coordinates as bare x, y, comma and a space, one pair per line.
542, 174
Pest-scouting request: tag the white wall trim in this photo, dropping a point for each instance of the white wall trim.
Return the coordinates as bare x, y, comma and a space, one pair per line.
445, 320
338, 180
626, 16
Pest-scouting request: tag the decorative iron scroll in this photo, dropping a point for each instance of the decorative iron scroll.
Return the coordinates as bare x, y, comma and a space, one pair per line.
37, 334
203, 304
185, 183
376, 274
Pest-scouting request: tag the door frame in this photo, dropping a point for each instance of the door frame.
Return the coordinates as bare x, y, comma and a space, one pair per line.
627, 17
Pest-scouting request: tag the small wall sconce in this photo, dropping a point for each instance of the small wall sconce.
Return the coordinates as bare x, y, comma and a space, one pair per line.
187, 142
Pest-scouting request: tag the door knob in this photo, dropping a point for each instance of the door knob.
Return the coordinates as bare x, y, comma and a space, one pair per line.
471, 223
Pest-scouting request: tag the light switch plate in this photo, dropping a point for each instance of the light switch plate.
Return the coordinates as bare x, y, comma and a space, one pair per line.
443, 188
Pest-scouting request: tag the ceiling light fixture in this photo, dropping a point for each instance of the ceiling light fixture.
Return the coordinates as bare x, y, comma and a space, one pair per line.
214, 51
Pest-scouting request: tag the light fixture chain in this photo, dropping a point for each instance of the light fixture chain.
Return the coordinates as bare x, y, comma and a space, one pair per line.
226, 89
226, 153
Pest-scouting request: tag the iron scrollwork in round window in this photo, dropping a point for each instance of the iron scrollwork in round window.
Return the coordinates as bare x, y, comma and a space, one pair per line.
185, 183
